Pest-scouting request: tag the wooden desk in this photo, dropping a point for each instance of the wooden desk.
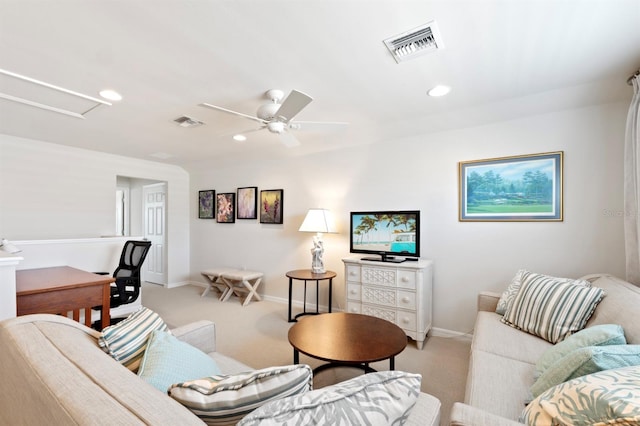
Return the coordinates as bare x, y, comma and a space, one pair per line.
61, 289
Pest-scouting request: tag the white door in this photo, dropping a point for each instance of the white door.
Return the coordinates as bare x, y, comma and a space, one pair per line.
155, 196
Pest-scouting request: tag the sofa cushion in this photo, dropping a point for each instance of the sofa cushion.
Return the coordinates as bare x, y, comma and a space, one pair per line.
383, 398
167, 360
608, 397
552, 310
224, 400
583, 361
491, 335
127, 340
497, 384
598, 335
509, 295
622, 298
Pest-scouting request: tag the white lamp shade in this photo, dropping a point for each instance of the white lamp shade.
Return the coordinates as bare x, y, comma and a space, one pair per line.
318, 220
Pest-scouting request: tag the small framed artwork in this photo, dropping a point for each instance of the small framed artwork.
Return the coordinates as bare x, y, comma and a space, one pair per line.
226, 207
248, 202
205, 204
520, 188
271, 206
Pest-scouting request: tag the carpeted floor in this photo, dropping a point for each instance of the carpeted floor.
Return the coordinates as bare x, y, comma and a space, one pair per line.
256, 335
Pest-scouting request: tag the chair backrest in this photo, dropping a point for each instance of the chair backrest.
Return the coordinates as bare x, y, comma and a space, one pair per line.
132, 258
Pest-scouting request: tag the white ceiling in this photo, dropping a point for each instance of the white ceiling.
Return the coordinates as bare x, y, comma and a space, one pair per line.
503, 59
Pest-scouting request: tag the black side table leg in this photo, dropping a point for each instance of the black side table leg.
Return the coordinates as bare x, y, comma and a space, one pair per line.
330, 290
290, 294
296, 356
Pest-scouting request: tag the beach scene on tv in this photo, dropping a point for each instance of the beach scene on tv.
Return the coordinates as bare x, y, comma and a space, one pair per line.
384, 232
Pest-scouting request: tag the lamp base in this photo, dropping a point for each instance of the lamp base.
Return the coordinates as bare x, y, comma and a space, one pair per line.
317, 263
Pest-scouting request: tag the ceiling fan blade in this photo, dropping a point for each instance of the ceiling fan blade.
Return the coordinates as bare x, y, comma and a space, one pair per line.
332, 126
289, 140
250, 117
295, 102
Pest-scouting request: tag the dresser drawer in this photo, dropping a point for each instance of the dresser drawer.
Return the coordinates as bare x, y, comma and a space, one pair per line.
406, 320
353, 291
353, 273
379, 276
407, 300
407, 279
353, 307
379, 296
375, 311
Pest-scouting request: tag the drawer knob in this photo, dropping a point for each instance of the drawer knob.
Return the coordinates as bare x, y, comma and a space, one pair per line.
405, 279
352, 273
405, 320
353, 292
405, 299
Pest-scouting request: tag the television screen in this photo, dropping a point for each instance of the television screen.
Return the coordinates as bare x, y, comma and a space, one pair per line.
386, 233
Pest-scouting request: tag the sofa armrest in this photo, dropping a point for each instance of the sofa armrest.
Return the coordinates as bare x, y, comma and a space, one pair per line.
466, 415
201, 334
488, 301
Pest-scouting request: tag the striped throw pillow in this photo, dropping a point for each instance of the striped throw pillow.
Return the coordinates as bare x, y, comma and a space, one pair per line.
127, 340
552, 310
224, 400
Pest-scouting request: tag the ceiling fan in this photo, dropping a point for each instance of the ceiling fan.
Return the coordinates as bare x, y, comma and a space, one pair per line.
277, 115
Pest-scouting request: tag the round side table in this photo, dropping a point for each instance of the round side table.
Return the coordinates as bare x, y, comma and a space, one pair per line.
307, 275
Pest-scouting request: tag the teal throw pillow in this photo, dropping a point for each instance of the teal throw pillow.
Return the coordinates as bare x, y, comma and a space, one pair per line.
598, 335
606, 398
583, 361
168, 360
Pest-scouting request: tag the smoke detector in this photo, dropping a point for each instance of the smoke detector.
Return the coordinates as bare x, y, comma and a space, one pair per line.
418, 41
186, 121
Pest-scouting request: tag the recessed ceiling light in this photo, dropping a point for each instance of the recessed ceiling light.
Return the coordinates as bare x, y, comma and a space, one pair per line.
439, 90
239, 138
112, 95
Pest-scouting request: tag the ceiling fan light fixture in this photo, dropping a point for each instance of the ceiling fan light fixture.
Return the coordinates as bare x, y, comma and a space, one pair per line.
239, 138
439, 90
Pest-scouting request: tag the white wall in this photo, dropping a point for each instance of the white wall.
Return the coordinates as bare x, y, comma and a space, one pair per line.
51, 192
422, 173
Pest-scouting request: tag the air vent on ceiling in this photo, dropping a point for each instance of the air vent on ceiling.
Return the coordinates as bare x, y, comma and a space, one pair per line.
186, 121
418, 41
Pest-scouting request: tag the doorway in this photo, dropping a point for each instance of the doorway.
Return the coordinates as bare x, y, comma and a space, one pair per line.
141, 213
155, 197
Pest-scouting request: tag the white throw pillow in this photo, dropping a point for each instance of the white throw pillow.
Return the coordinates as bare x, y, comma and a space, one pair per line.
550, 309
384, 398
509, 295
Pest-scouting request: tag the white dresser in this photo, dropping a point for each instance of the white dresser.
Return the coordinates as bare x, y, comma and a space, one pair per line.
397, 292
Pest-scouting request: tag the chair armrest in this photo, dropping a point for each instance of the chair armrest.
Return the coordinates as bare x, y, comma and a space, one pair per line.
466, 415
488, 301
201, 334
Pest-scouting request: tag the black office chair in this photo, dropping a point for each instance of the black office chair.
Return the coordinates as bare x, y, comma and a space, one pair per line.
126, 288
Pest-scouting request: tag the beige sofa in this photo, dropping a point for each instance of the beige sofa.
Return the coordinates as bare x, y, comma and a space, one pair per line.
503, 358
53, 372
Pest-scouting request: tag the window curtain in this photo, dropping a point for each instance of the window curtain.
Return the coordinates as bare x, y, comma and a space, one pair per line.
632, 186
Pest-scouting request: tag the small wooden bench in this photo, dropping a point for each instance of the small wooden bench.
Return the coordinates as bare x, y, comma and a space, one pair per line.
234, 281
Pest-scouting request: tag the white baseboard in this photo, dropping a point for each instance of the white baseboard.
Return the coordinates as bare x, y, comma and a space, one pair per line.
435, 331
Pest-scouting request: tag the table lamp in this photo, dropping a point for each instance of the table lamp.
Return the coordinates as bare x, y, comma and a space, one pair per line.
319, 221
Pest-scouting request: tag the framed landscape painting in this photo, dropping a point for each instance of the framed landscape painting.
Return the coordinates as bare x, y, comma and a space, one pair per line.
520, 188
248, 202
271, 206
225, 207
205, 204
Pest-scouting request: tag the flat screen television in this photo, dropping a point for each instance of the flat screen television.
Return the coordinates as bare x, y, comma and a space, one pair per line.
393, 235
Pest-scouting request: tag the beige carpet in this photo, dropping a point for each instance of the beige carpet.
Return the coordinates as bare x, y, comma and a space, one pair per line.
256, 334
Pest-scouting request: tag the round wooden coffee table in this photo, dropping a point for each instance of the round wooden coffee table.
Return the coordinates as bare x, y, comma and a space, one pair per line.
345, 339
